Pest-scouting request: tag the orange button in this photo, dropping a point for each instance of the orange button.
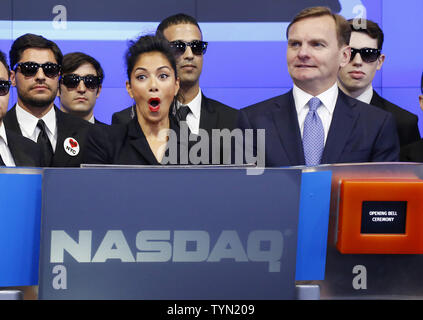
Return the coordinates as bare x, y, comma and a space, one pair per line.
384, 231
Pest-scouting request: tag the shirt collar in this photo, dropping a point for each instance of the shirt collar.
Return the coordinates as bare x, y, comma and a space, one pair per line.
195, 105
328, 98
28, 122
367, 95
92, 119
3, 133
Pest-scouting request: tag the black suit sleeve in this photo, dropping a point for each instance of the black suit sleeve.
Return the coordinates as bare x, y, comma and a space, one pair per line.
98, 146
116, 119
412, 152
414, 134
386, 145
123, 116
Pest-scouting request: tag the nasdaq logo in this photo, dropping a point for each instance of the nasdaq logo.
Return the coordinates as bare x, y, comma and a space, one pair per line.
155, 246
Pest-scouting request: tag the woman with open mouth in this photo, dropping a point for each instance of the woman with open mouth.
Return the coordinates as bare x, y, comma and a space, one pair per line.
152, 136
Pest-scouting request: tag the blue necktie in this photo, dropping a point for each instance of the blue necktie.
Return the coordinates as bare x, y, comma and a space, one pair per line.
313, 135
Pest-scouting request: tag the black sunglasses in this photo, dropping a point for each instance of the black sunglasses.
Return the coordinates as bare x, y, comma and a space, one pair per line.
367, 54
4, 87
198, 47
30, 69
71, 81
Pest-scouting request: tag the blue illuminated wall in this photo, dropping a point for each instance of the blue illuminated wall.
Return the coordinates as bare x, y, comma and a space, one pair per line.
245, 61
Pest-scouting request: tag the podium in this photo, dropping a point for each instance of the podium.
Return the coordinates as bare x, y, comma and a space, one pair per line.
169, 234
217, 233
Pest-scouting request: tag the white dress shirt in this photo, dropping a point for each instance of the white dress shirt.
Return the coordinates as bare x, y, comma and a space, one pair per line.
28, 124
367, 95
193, 118
5, 153
92, 119
325, 111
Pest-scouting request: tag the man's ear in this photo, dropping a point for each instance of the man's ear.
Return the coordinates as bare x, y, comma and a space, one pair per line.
380, 61
98, 91
421, 101
13, 78
346, 56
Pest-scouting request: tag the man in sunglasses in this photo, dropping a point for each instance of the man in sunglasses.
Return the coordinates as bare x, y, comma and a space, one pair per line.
35, 73
315, 123
80, 85
355, 79
184, 34
15, 150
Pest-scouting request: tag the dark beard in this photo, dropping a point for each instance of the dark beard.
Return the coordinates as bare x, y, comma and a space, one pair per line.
29, 101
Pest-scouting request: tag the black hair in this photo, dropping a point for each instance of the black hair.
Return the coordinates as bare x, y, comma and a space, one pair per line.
4, 62
28, 41
146, 44
74, 60
370, 28
180, 18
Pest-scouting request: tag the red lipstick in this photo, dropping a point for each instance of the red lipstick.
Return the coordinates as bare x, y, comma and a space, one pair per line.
154, 104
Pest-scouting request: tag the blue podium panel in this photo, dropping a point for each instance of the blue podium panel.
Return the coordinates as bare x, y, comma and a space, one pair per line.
169, 233
313, 225
20, 210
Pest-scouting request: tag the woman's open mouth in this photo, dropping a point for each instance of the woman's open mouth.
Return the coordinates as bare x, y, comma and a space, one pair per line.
154, 104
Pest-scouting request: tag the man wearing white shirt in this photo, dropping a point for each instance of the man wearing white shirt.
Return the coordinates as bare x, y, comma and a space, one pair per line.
15, 150
200, 112
355, 79
36, 64
80, 85
315, 123
184, 34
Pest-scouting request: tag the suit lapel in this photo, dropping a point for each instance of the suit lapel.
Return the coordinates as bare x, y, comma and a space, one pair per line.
11, 121
343, 121
285, 120
19, 154
140, 143
377, 101
63, 132
208, 116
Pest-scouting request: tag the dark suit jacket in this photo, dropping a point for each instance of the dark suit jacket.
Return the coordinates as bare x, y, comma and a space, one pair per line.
412, 152
406, 122
214, 115
123, 144
99, 122
67, 126
358, 132
123, 116
25, 152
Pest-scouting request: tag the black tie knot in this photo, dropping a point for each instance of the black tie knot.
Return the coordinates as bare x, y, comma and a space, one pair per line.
182, 113
41, 125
